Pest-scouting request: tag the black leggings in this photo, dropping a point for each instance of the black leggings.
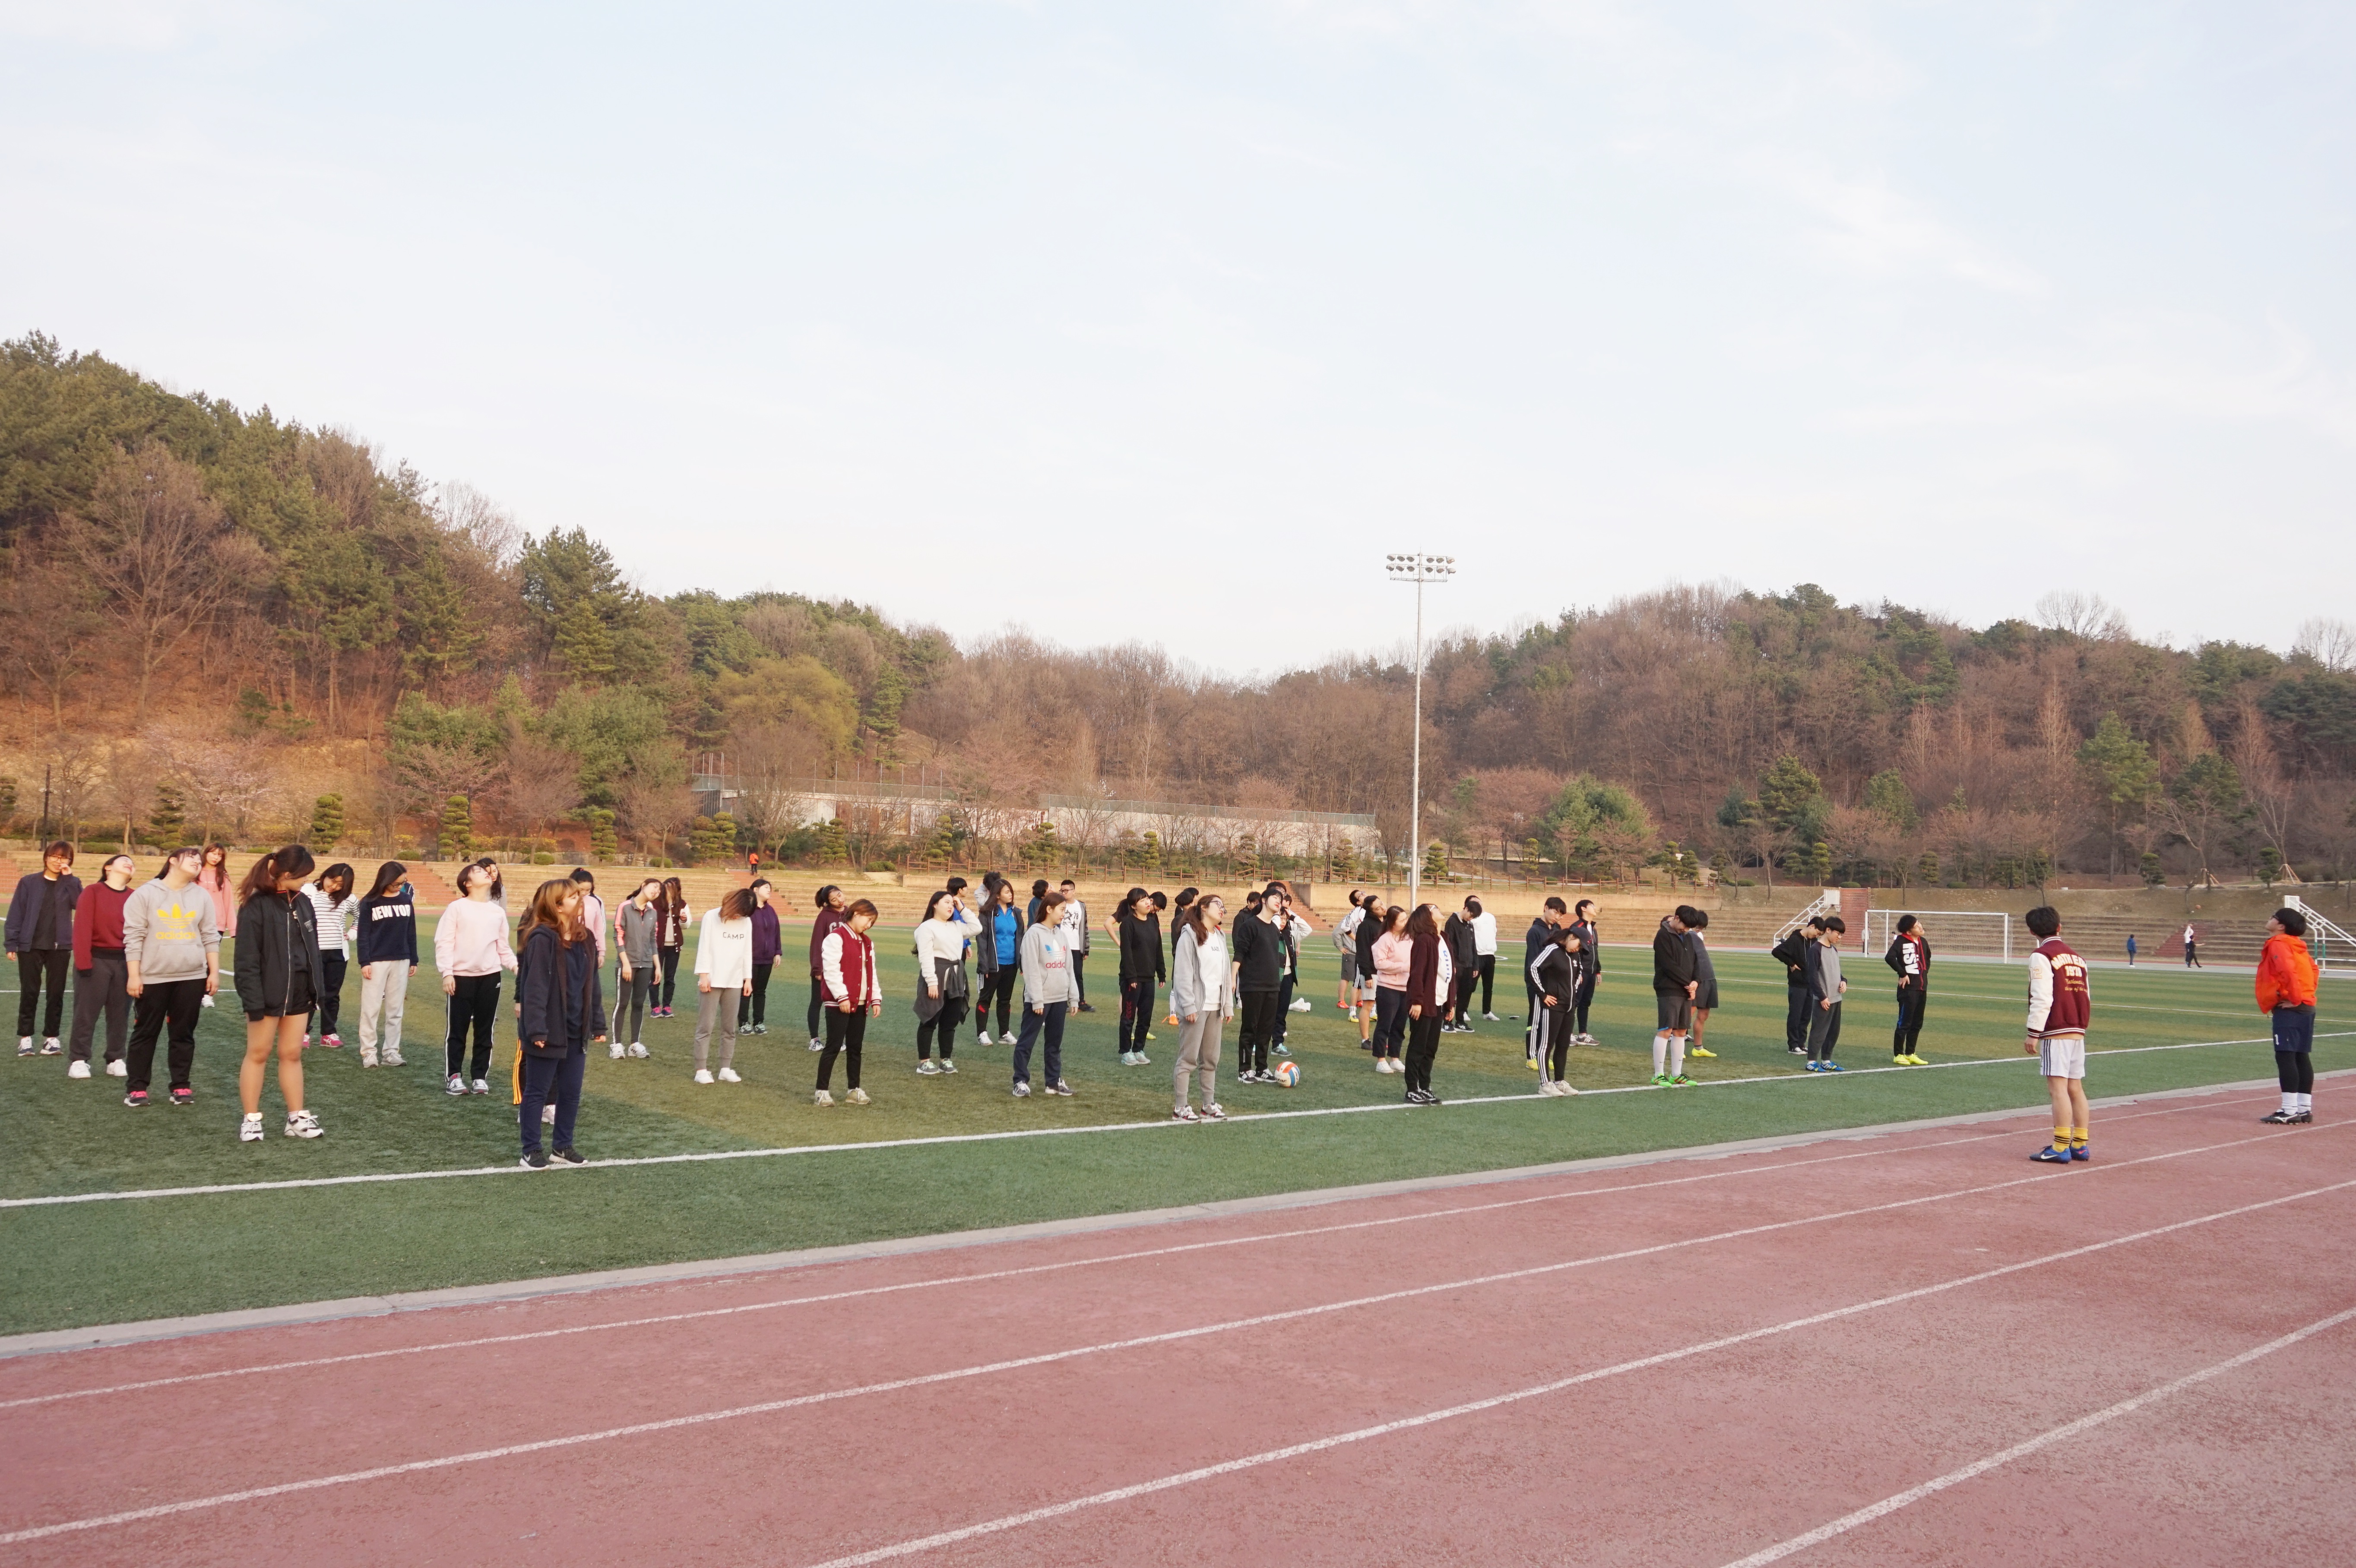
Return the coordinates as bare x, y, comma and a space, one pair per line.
1488, 962
816, 1003
1558, 1037
670, 975
1000, 983
474, 1001
1258, 1030
755, 1008
2295, 1069
1580, 1000
1422, 1048
1912, 1000
332, 967
942, 1025
845, 1033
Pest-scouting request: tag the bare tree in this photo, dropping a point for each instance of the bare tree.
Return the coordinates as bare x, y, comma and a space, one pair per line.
538, 783
482, 522
655, 811
775, 764
2330, 643
128, 783
2085, 616
77, 785
46, 592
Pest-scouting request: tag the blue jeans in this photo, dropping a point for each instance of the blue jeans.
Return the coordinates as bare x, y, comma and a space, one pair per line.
560, 1076
1052, 1015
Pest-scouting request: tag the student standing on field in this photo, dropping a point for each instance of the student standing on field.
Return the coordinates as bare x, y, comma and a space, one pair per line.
1556, 974
1046, 967
470, 950
1826, 990
1705, 999
1485, 957
279, 980
593, 918
723, 978
768, 946
171, 958
2286, 984
1673, 993
827, 901
847, 970
672, 918
2191, 946
1200, 996
1588, 957
99, 971
1430, 994
332, 905
1345, 947
1794, 952
1141, 971
1000, 954
941, 985
1076, 943
1371, 925
638, 924
2060, 1008
560, 1013
1256, 954
41, 938
1296, 934
1551, 919
2131, 949
1394, 958
1466, 958
387, 949
1910, 956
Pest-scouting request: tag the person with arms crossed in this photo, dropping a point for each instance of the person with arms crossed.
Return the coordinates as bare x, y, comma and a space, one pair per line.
1793, 953
2060, 1008
1705, 999
1199, 991
1673, 995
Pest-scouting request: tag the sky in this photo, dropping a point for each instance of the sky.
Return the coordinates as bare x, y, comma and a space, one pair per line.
1168, 323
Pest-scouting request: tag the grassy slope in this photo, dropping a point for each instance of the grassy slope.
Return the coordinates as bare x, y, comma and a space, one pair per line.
112, 1262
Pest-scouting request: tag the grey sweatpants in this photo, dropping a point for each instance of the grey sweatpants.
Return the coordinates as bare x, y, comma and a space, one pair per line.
1198, 1055
716, 1007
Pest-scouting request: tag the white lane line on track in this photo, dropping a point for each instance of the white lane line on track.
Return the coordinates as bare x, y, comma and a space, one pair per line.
1538, 1391
1017, 1273
1245, 1119
1173, 1336
1891, 1505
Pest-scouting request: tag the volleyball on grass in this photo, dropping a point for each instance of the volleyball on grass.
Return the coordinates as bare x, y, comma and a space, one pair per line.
1288, 1073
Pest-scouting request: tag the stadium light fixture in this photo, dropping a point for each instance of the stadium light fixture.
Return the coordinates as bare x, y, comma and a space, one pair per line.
1419, 568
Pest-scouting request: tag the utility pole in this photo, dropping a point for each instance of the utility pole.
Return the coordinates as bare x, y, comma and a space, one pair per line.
1418, 569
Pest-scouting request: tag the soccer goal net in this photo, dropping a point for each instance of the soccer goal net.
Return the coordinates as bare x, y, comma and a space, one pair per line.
1955, 933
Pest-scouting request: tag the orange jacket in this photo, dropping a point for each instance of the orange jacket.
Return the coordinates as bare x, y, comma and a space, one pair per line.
2285, 975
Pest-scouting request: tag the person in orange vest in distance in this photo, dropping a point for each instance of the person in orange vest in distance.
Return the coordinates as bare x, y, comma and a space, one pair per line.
2287, 994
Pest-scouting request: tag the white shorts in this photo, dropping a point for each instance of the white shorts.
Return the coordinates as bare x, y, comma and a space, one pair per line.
2064, 1056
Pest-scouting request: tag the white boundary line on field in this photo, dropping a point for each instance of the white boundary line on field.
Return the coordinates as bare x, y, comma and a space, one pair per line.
1198, 1330
708, 1156
1891, 1505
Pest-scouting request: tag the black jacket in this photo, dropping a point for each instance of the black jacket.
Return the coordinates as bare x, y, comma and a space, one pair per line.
25, 909
985, 945
557, 987
1533, 943
1370, 930
1792, 954
1896, 959
1556, 976
277, 936
1141, 949
1258, 948
1460, 946
1588, 959
1673, 960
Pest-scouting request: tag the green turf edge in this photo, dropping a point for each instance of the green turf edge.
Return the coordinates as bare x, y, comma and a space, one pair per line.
82, 1264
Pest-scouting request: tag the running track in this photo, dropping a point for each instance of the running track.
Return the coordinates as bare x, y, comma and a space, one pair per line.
1915, 1348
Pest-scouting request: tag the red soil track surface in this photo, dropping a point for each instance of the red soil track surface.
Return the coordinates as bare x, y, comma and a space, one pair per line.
1702, 1459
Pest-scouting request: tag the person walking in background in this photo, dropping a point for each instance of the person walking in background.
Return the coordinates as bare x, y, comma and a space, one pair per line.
2060, 1007
2285, 985
672, 917
1484, 957
1588, 957
1556, 974
1257, 953
2193, 947
1001, 962
1430, 995
1795, 953
332, 904
215, 880
847, 970
941, 992
1705, 998
387, 918
723, 978
1551, 918
560, 1012
1046, 967
171, 959
470, 950
2131, 949
1673, 993
99, 974
1910, 956
1076, 943
1826, 988
828, 903
1394, 955
1140, 941
279, 980
768, 946
637, 926
1466, 958
41, 938
1199, 994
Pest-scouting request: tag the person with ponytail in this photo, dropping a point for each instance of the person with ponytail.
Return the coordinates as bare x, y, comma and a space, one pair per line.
561, 1012
671, 915
279, 980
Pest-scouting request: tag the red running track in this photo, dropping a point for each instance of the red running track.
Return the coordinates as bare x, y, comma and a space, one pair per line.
1688, 1363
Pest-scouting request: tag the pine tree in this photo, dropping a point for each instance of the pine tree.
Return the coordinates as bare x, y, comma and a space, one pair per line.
457, 838
1820, 862
1248, 858
327, 821
603, 845
833, 843
1435, 862
168, 823
1149, 852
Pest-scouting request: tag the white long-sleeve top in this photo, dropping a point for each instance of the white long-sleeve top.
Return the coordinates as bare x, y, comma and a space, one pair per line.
943, 940
1198, 979
471, 938
332, 916
724, 952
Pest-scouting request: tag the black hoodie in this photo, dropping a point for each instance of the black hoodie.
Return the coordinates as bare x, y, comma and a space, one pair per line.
1673, 960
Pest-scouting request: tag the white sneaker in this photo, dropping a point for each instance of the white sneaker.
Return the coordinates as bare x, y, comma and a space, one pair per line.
482, 1085
547, 1115
248, 1131
637, 1049
1215, 1111
702, 1076
728, 1076
52, 1047
207, 1002
1184, 1113
368, 1057
78, 1070
25, 1045
928, 1068
1492, 1017
118, 1068
457, 1086
391, 1059
1301, 1005
947, 1065
302, 1124
818, 1044
821, 1098
1143, 1060
856, 1098
1022, 1091
617, 1050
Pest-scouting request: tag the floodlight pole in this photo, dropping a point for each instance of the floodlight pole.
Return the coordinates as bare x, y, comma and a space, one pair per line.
1418, 569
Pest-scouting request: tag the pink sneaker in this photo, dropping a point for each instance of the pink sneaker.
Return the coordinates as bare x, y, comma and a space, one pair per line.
332, 1041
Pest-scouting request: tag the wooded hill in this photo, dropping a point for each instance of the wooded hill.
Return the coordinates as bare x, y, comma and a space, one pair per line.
246, 613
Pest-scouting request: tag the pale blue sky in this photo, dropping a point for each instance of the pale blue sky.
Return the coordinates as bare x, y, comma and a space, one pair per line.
1139, 321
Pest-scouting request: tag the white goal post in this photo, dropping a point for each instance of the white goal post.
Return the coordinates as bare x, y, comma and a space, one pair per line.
1955, 933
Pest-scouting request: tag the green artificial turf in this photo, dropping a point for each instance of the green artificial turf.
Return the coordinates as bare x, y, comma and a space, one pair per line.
90, 1263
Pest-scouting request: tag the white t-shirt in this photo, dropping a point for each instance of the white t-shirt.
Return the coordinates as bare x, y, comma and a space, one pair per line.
1484, 934
1074, 918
